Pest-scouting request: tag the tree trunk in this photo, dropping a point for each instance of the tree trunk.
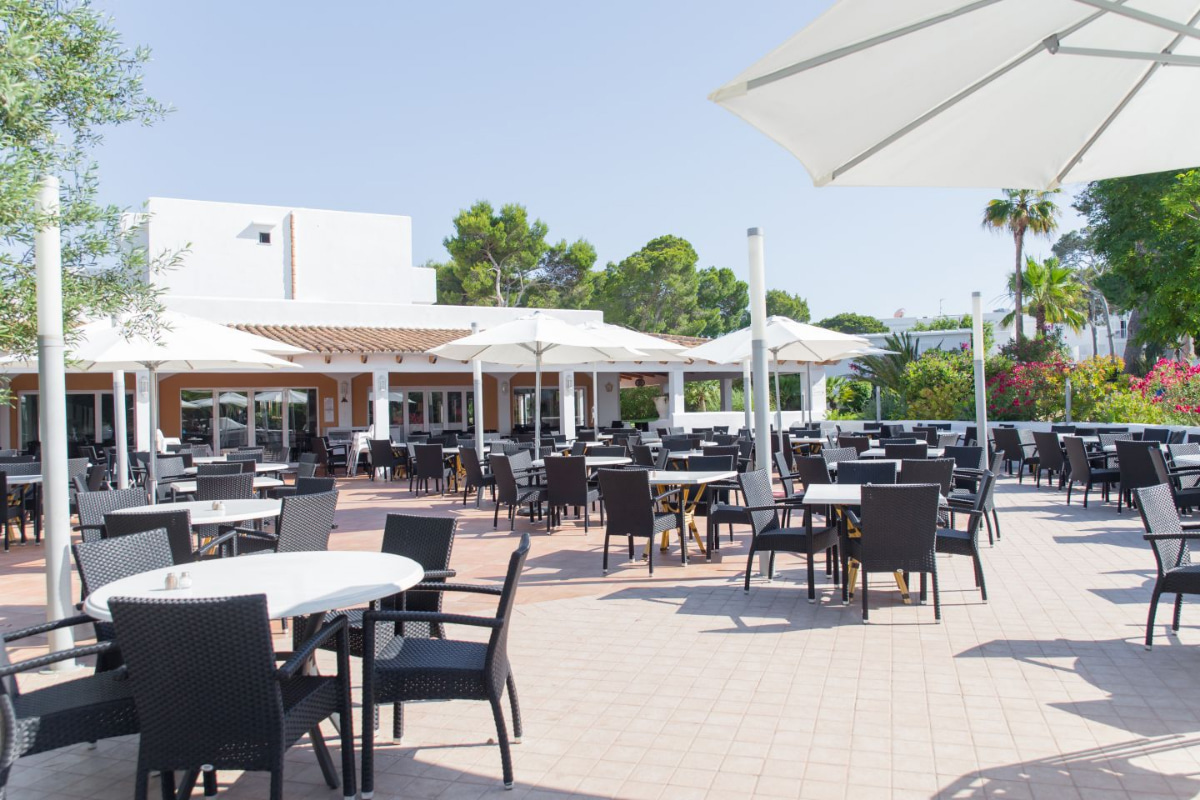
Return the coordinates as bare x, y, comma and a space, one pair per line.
1133, 350
1040, 321
1018, 286
1187, 349
1092, 319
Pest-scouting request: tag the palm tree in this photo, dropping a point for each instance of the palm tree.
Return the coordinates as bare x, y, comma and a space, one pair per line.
1054, 295
887, 372
1021, 211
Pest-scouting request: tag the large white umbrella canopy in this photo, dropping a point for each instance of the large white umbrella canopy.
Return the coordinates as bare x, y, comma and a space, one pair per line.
986, 93
534, 340
656, 349
786, 340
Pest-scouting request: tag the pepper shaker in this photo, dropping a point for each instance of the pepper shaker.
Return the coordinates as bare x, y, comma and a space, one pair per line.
171, 582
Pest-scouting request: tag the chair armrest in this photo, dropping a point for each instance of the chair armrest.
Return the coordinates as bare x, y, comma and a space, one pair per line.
1186, 535
759, 508
297, 659
434, 574
1191, 526
235, 533
41, 662
471, 588
658, 497
372, 617
82, 528
46, 627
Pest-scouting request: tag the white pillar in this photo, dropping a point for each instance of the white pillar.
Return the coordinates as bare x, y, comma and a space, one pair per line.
727, 394
566, 403
596, 400
747, 394
52, 389
537, 403
980, 391
383, 421
758, 349
675, 404
120, 435
504, 402
477, 388
141, 414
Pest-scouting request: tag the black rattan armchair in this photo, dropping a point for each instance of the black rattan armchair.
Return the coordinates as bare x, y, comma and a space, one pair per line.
1171, 542
222, 702
443, 669
861, 444
903, 451
383, 457
966, 543
476, 478
430, 466
1085, 471
176, 522
633, 511
303, 526
866, 472
330, 457
1051, 458
567, 485
94, 505
1135, 467
86, 709
219, 468
514, 486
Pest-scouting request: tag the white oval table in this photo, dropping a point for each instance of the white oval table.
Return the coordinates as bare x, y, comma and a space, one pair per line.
260, 482
204, 514
23, 480
266, 466
295, 584
591, 462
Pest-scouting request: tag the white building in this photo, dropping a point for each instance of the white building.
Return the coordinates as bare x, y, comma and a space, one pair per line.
342, 286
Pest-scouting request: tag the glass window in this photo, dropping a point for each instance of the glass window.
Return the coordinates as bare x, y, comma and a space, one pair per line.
396, 408
302, 418
81, 418
195, 416
454, 408
470, 409
416, 409
268, 418
107, 419
29, 420
233, 419
436, 401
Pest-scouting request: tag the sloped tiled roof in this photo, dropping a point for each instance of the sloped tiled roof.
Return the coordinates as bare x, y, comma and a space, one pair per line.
339, 340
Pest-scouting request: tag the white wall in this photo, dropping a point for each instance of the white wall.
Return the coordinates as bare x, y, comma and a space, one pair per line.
339, 255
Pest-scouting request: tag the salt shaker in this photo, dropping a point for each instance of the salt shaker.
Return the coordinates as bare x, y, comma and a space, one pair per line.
185, 580
171, 582
216, 505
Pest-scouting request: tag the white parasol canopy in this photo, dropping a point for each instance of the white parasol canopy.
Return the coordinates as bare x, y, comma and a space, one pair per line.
927, 92
656, 349
535, 340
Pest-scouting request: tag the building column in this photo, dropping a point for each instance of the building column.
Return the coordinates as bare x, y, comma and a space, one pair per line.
383, 420
566, 403
503, 401
141, 415
608, 397
675, 404
727, 394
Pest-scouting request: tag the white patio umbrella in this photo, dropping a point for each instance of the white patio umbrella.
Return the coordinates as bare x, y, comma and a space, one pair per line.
656, 349
786, 340
535, 340
925, 93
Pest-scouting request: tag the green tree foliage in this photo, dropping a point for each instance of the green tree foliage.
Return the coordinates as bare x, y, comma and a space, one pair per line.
723, 300
655, 289
65, 78
849, 322
637, 403
702, 396
783, 304
503, 259
847, 397
887, 372
1018, 212
1053, 295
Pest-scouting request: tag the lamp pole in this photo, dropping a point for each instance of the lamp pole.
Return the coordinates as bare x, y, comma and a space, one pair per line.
758, 349
477, 386
980, 355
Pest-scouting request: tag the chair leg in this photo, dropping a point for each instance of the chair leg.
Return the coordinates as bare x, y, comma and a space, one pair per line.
1150, 619
864, 594
996, 519
167, 779
812, 576
979, 575
937, 597
502, 738
210, 781
515, 705
277, 783
323, 757
1178, 611
749, 566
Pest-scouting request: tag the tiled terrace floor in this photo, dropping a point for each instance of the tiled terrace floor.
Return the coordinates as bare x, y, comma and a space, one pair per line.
684, 687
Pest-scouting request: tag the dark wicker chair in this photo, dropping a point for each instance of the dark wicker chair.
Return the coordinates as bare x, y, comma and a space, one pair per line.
1186, 497
329, 456
768, 536
608, 451
85, 709
939, 471
305, 485
383, 457
928, 434
431, 466
219, 468
94, 505
12, 508
899, 531
1160, 435
632, 511
226, 704
966, 543
906, 451
1084, 470
303, 526
1018, 447
254, 454
476, 478
866, 472
643, 455
1171, 542
861, 444
567, 485
408, 669
1135, 468
225, 487
945, 439
1051, 458
176, 522
514, 486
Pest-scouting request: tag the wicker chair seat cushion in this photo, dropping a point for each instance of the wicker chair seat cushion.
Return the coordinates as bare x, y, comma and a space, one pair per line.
665, 522
431, 669
384, 633
306, 702
1183, 579
52, 717
527, 494
951, 540
795, 540
1106, 474
727, 514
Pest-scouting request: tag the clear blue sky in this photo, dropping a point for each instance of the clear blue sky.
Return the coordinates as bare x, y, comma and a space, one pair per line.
592, 115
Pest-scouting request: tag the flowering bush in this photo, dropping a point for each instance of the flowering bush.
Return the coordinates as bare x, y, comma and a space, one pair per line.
1025, 391
1174, 389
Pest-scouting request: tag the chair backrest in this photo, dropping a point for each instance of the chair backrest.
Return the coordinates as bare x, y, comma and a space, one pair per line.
1176, 436
1077, 457
186, 711
811, 470
1160, 517
579, 447
628, 501
305, 522
496, 668
862, 472
1156, 435
311, 485
225, 487
899, 440
586, 435
381, 453
1050, 452
426, 540
1185, 449
100, 563
255, 455
643, 455
903, 451
785, 475
17, 468
94, 505
218, 468
506, 481
756, 488
899, 527
306, 469
721, 450
1008, 441
676, 444
1137, 468
710, 463
724, 439
469, 458
566, 480
609, 451
1057, 428
947, 439
928, 470
860, 443
930, 435
169, 467
834, 455
430, 461
96, 474
1111, 438
965, 456
176, 522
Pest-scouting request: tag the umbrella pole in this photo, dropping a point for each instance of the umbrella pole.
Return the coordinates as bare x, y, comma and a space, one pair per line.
52, 384
596, 400
477, 386
778, 405
537, 404
746, 394
980, 391
120, 435
152, 463
808, 391
758, 350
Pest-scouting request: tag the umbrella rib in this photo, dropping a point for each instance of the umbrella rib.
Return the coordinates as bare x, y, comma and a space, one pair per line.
1125, 101
865, 44
1157, 21
949, 103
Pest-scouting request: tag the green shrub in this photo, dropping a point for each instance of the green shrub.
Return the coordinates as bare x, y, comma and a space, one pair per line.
1128, 406
637, 404
940, 385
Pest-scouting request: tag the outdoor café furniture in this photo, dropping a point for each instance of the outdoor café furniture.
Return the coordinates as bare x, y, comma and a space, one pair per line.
407, 669
1162, 435
85, 709
633, 510
691, 484
592, 462
952, 541
833, 455
964, 498
1135, 468
769, 536
217, 468
860, 443
330, 456
258, 483
383, 457
1017, 446
474, 478
1051, 458
515, 486
895, 531
928, 470
304, 524
946, 439
13, 498
1186, 497
567, 485
94, 505
903, 451
176, 523
257, 467
1171, 540
227, 705
431, 466
875, 471
608, 451
203, 513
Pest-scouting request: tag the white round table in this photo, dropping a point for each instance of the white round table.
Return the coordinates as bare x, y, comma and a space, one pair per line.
204, 514
23, 480
591, 462
266, 466
260, 482
296, 584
